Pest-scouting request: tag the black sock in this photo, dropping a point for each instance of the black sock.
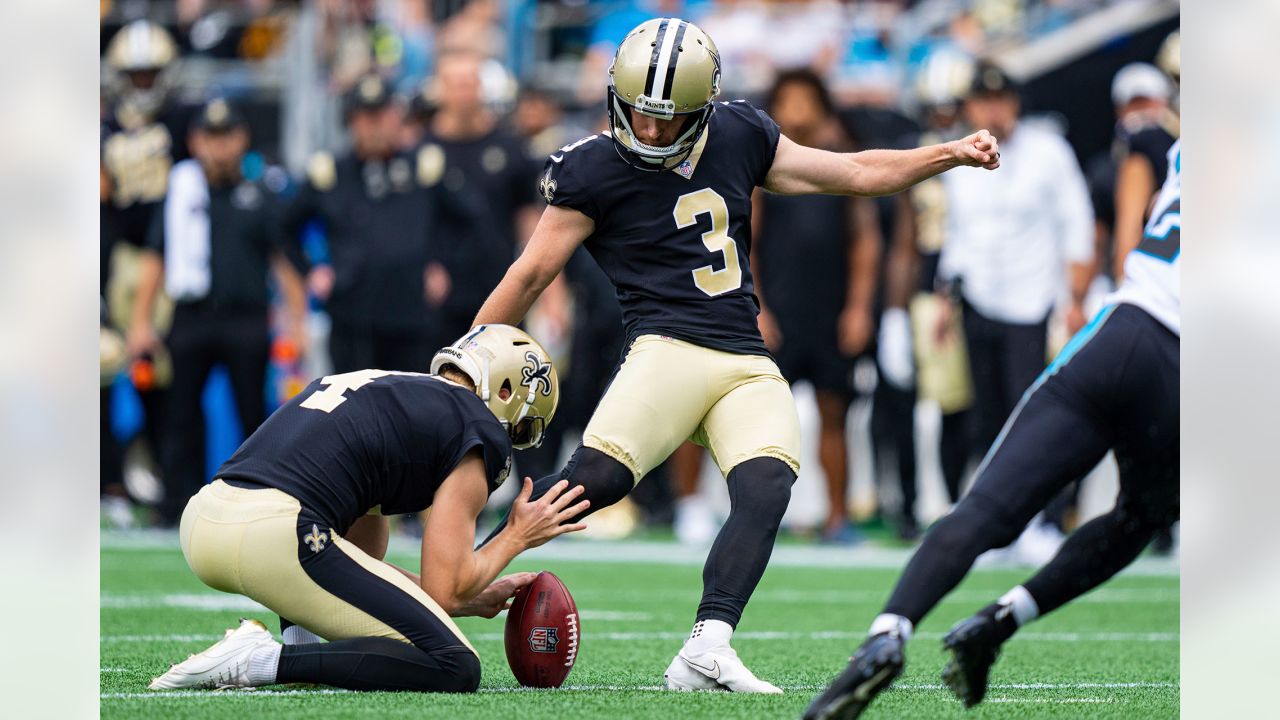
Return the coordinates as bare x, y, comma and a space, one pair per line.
759, 490
1091, 555
606, 481
375, 663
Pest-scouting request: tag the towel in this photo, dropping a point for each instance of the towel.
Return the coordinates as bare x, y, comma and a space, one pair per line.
186, 233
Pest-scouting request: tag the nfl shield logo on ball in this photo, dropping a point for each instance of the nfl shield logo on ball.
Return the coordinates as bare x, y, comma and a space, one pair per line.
543, 640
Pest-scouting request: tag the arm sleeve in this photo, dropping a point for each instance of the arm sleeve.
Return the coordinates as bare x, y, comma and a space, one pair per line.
1072, 207
288, 245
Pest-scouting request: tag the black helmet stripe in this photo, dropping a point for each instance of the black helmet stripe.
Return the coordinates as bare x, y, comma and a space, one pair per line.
671, 61
654, 58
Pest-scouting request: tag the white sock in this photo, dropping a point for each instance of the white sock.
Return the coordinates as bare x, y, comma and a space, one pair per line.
298, 635
708, 634
890, 623
1022, 604
263, 663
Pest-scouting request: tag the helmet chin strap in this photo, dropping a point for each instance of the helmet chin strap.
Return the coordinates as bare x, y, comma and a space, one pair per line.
653, 154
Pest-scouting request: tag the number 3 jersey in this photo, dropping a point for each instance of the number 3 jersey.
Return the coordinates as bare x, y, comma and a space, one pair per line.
1152, 271
371, 439
676, 243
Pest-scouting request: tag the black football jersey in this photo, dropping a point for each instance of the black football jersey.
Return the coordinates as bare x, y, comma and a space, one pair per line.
676, 243
370, 439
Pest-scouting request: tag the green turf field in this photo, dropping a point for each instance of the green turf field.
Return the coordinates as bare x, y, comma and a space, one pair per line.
1112, 655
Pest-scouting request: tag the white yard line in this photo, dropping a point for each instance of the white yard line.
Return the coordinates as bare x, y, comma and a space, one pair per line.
659, 688
764, 635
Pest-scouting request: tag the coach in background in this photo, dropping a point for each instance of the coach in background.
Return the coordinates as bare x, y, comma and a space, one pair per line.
379, 209
211, 244
1012, 239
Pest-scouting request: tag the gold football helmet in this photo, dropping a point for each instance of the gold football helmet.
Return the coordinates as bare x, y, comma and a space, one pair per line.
136, 60
512, 374
666, 68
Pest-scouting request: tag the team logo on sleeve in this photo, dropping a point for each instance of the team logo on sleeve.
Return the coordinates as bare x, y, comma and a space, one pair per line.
536, 375
547, 186
316, 538
543, 640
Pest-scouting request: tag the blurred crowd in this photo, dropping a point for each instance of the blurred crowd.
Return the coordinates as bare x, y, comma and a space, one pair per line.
291, 189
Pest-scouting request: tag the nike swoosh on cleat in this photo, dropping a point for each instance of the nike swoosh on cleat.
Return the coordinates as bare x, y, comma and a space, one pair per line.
713, 672
557, 158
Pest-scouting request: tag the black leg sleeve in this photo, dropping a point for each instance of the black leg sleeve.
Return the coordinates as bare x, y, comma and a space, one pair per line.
1094, 553
759, 490
375, 663
606, 481
1048, 442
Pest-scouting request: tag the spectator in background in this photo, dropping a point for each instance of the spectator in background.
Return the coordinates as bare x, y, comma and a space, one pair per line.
211, 245
487, 165
942, 375
1145, 130
141, 137
1015, 244
381, 212
817, 259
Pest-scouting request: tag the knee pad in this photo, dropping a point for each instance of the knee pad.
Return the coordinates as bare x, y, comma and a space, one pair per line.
606, 480
762, 483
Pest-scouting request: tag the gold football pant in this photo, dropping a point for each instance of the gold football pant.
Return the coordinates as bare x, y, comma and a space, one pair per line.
261, 543
667, 391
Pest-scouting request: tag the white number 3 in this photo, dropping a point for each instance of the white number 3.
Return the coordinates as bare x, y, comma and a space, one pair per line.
688, 207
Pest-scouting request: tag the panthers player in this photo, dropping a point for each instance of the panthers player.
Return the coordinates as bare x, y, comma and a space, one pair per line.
1113, 387
662, 200
297, 521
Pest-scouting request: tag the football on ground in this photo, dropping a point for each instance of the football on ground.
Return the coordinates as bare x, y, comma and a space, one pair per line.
542, 633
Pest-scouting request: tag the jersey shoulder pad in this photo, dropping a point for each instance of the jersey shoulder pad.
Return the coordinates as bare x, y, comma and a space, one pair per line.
750, 129
430, 164
322, 171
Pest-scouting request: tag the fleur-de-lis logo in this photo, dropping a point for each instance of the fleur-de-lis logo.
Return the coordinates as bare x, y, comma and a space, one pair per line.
547, 186
537, 374
315, 539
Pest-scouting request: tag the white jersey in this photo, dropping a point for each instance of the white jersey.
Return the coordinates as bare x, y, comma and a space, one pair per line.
1152, 271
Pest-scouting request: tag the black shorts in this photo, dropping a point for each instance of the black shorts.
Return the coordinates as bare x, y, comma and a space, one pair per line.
810, 351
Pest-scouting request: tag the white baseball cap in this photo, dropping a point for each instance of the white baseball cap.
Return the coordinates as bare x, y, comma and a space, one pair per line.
1137, 80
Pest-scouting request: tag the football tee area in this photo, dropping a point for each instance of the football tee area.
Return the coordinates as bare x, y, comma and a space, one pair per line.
1113, 654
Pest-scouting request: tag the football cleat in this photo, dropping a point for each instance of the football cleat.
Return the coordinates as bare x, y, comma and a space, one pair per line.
876, 664
716, 669
224, 665
974, 645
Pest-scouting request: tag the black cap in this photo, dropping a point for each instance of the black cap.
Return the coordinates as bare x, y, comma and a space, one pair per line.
369, 93
218, 116
989, 79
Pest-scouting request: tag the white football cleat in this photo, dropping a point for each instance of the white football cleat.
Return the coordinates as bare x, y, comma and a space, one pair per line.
224, 665
717, 668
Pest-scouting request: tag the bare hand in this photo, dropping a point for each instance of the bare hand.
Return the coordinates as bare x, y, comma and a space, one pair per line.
942, 326
854, 330
533, 523
769, 329
320, 281
978, 150
141, 340
1075, 318
436, 284
497, 597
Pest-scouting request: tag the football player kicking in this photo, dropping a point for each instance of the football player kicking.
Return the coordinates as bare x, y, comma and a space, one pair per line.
1113, 387
296, 521
663, 202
